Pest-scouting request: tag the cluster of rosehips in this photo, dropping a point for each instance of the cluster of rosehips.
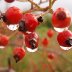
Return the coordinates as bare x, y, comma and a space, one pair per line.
61, 21
27, 23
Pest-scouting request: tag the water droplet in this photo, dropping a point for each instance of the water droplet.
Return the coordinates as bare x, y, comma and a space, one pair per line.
31, 50
2, 47
65, 48
12, 27
60, 29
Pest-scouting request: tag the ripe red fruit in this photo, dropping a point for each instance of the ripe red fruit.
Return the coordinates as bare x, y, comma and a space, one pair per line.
3, 40
18, 53
13, 15
65, 38
28, 23
50, 33
51, 56
45, 42
9, 1
61, 18
31, 40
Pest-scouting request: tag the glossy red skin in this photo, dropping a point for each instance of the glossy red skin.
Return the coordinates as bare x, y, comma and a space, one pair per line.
45, 42
63, 36
51, 56
9, 1
19, 51
50, 33
29, 37
13, 15
61, 23
30, 21
4, 40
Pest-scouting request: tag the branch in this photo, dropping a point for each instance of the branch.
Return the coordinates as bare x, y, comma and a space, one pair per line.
34, 4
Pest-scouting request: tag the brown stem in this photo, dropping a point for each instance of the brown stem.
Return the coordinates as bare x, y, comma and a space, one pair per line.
34, 4
53, 2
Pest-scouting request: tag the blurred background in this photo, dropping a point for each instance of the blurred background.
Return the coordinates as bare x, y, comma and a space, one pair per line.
49, 57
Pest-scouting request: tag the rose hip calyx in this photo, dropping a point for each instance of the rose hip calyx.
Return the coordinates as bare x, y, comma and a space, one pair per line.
5, 19
40, 19
61, 15
16, 57
22, 26
32, 43
69, 41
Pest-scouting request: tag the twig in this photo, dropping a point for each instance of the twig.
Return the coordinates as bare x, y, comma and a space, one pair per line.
34, 4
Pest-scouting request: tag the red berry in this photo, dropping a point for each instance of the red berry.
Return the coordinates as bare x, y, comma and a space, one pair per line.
13, 15
28, 23
45, 42
61, 18
51, 56
31, 40
4, 40
18, 53
65, 38
50, 33
9, 1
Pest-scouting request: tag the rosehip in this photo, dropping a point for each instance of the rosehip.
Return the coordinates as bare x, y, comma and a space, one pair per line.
9, 1
51, 56
18, 53
28, 23
13, 15
31, 41
65, 38
61, 18
3, 40
50, 33
45, 42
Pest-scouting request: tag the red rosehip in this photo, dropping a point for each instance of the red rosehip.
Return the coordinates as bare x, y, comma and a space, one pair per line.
13, 15
18, 53
61, 18
50, 33
45, 42
9, 1
51, 56
31, 41
28, 23
4, 40
65, 38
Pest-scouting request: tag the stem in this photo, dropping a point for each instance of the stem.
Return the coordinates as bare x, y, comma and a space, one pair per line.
34, 4
50, 4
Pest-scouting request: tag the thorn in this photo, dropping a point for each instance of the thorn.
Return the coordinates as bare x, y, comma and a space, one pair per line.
16, 57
